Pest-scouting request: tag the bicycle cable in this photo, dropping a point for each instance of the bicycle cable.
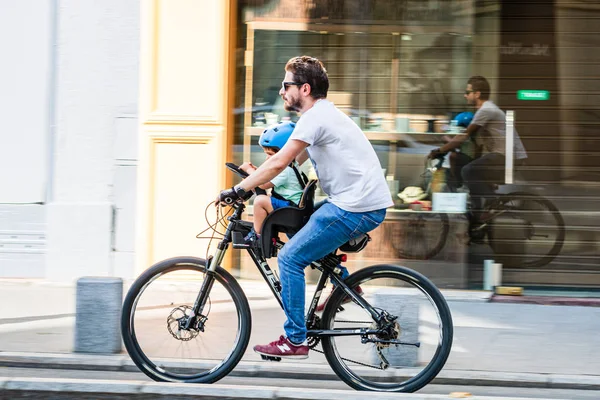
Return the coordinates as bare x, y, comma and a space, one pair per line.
353, 361
214, 226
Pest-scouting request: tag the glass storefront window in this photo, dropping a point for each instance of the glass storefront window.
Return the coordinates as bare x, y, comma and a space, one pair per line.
399, 68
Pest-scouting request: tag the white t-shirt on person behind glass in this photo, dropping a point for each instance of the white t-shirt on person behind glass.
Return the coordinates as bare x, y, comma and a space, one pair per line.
348, 169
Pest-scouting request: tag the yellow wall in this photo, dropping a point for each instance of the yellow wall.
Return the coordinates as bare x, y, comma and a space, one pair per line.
184, 122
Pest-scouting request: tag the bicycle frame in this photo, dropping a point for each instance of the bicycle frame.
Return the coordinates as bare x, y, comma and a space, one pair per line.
326, 265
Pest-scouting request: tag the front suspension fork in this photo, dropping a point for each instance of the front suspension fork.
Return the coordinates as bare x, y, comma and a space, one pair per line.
207, 285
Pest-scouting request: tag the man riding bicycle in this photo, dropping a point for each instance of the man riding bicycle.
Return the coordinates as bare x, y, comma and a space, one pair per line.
488, 128
349, 173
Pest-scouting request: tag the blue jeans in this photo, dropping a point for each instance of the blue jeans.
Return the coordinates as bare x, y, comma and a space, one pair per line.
344, 271
328, 228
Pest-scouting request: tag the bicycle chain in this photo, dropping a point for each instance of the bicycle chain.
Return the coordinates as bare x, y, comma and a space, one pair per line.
354, 322
355, 362
345, 359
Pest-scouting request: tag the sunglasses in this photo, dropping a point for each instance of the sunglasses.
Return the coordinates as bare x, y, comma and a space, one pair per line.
467, 92
286, 85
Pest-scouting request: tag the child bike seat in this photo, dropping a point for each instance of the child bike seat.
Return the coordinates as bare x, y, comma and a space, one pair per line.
287, 220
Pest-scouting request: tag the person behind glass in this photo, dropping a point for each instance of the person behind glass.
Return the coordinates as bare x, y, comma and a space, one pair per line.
462, 155
287, 186
488, 128
349, 173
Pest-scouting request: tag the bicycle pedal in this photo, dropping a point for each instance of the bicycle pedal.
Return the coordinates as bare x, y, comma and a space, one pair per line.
270, 358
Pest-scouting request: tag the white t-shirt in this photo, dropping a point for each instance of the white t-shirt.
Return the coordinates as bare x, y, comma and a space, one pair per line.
345, 162
492, 131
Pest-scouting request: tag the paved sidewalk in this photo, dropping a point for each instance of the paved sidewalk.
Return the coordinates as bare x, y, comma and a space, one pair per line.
532, 339
41, 388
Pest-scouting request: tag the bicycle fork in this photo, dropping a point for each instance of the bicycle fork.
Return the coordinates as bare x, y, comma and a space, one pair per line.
209, 280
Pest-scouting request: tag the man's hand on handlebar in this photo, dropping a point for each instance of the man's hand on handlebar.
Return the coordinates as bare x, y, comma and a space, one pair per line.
436, 153
230, 196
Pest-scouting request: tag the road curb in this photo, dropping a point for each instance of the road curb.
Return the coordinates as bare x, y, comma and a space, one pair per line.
291, 370
47, 388
547, 300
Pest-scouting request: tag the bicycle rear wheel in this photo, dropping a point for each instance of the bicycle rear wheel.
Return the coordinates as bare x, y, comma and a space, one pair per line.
527, 230
158, 304
421, 236
422, 319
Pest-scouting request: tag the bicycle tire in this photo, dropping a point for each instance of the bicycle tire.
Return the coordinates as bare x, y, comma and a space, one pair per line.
339, 364
415, 244
559, 230
149, 365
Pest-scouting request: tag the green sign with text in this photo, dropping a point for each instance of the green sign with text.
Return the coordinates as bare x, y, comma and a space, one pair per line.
533, 95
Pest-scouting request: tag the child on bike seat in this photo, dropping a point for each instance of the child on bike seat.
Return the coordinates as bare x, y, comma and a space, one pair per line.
287, 186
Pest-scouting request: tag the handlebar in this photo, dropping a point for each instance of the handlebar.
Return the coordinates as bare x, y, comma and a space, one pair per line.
434, 165
236, 169
242, 174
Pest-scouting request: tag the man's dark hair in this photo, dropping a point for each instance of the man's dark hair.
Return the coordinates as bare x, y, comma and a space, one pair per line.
312, 71
481, 85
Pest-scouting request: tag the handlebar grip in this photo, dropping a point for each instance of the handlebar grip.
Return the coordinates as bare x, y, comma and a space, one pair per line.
236, 169
243, 174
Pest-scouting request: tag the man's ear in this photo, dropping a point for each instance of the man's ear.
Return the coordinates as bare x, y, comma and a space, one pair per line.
306, 89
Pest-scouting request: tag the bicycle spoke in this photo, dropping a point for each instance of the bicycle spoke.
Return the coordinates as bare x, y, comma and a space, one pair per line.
408, 346
169, 343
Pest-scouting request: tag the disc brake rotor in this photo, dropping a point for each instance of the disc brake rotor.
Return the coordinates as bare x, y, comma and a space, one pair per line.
176, 322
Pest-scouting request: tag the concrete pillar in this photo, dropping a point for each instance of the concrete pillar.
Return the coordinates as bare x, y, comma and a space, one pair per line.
406, 306
98, 315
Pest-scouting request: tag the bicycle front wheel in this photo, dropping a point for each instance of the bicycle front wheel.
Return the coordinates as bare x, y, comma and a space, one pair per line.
157, 308
415, 344
421, 236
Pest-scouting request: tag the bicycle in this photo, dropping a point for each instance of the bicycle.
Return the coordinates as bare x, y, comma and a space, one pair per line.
204, 319
530, 220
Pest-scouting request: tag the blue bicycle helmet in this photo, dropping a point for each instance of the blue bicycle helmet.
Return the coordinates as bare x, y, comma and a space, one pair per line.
464, 118
277, 135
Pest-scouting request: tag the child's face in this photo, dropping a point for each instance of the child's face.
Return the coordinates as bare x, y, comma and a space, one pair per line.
269, 152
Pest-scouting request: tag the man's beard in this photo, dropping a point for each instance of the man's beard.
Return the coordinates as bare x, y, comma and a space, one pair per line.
293, 105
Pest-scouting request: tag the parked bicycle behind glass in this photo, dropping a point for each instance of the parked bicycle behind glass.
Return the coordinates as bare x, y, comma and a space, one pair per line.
530, 222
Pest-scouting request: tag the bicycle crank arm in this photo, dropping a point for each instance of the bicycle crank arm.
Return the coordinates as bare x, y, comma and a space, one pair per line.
367, 340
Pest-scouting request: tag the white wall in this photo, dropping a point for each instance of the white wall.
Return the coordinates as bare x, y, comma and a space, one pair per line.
96, 85
25, 82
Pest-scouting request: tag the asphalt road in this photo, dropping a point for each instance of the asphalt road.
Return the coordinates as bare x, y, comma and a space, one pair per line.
500, 392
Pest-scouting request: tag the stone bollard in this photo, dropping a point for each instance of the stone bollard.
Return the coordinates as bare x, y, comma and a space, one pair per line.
407, 307
98, 315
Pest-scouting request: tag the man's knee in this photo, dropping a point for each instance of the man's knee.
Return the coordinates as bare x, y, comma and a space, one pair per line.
285, 256
453, 157
468, 173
